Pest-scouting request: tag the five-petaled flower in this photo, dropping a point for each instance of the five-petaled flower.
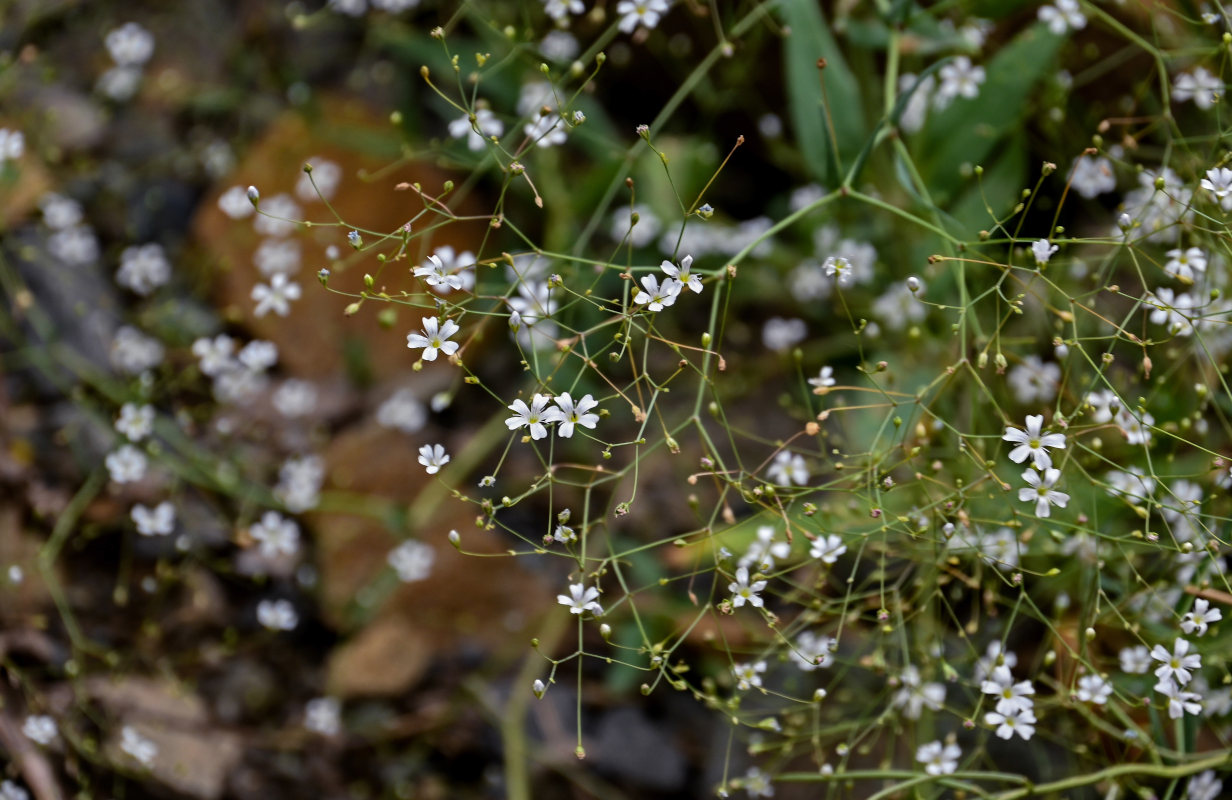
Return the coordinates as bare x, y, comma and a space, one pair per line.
581, 598
827, 548
1176, 665
276, 297
434, 337
1041, 492
1033, 442
433, 457
572, 414
1196, 620
938, 759
656, 296
682, 275
537, 416
745, 592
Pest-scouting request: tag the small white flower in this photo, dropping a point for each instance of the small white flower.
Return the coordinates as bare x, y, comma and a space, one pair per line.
654, 296
938, 759
1180, 701
487, 123
135, 422
40, 728
537, 416
1062, 17
1092, 176
126, 465
787, 469
276, 297
1200, 86
323, 715
275, 535
840, 269
1034, 380
295, 398
433, 457
546, 131
130, 45
137, 746
434, 337
412, 560
1218, 181
1043, 250
143, 268
824, 379
812, 651
748, 675
745, 592
1104, 404
1135, 660
133, 352
559, 9
277, 615
259, 355
1040, 491
581, 598
1015, 721
278, 215
682, 275
1182, 264
1010, 695
402, 411
1204, 786
12, 791
1093, 689
326, 175
1032, 442
572, 414
757, 783
959, 78
12, 145
827, 548
1195, 622
645, 13
157, 521
235, 203
1176, 666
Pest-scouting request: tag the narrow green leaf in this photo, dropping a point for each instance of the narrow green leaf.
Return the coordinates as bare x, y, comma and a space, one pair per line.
809, 41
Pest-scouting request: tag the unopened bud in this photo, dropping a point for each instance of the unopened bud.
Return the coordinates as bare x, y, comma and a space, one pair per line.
254, 196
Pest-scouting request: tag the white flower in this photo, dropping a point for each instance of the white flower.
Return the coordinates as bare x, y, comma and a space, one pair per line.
1042, 250
581, 598
682, 275
788, 469
433, 457
259, 355
559, 46
434, 337
745, 592
1016, 721
1093, 689
157, 521
76, 246
277, 255
130, 45
536, 416
1092, 176
143, 268
1137, 430
1200, 86
1183, 263
412, 560
827, 548
812, 651
840, 269
1040, 491
559, 9
780, 335
1010, 696
295, 398
323, 715
322, 183
40, 728
1000, 548
824, 379
1103, 403
916, 111
1135, 660
897, 306
1180, 702
133, 352
1062, 17
59, 212
277, 615
299, 483
235, 203
1218, 181
757, 783
1204, 786
655, 296
278, 217
547, 130
276, 535
748, 675
763, 550
914, 696
959, 78
1034, 381
1196, 621
140, 748
435, 274
938, 759
214, 355
640, 12
1176, 666
402, 411
276, 297
12, 145
135, 421
1033, 442
352, 8
126, 465
994, 657
11, 791
572, 414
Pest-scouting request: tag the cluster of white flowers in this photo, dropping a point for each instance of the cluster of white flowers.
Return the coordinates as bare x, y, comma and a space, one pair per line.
1015, 709
143, 268
357, 8
567, 414
133, 352
299, 483
412, 561
237, 377
130, 47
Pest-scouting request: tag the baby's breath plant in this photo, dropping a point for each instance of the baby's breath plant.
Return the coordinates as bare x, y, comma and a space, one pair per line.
858, 373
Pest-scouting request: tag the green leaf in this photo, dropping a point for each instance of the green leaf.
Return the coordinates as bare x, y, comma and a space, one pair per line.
809, 41
970, 130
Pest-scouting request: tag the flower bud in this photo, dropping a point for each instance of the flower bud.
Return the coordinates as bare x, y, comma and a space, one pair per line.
254, 196
355, 239
538, 688
913, 284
